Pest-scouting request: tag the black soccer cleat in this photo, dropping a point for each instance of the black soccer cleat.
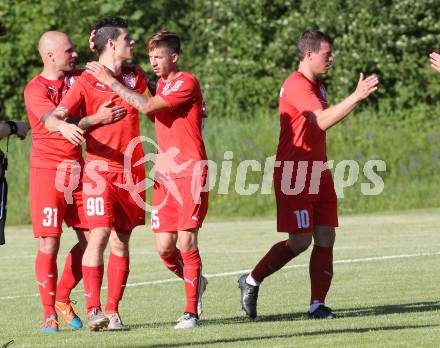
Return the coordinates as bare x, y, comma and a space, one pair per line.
322, 312
249, 297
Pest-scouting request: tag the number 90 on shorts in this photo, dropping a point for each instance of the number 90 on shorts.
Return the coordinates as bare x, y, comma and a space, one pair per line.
95, 206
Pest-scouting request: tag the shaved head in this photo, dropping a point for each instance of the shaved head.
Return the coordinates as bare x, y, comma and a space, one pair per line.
51, 41
57, 51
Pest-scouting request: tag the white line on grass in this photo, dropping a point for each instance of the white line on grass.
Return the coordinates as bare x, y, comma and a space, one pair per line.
146, 252
225, 274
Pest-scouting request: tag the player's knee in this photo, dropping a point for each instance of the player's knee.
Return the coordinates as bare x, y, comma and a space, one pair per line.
187, 246
49, 245
165, 251
300, 243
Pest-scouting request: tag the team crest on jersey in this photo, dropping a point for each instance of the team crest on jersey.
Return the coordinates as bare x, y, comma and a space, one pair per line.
129, 80
70, 80
167, 90
323, 92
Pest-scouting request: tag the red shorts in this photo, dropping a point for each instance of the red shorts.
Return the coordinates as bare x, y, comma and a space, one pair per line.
51, 203
108, 202
179, 204
301, 213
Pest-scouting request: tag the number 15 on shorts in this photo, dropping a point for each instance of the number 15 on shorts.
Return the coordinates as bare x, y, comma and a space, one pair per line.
302, 218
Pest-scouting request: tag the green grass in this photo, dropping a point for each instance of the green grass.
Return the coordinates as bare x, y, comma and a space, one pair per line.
381, 302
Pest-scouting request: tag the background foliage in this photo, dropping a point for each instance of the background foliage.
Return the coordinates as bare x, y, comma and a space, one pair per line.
241, 51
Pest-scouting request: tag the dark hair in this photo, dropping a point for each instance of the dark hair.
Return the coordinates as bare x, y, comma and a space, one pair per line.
310, 40
164, 39
106, 29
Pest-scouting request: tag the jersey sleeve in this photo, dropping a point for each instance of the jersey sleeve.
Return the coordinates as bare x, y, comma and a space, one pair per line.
37, 100
180, 93
74, 99
302, 96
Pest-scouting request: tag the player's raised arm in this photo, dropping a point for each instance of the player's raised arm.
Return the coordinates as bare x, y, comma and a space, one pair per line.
329, 117
141, 102
434, 59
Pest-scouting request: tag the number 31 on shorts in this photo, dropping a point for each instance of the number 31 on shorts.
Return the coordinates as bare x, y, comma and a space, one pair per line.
302, 218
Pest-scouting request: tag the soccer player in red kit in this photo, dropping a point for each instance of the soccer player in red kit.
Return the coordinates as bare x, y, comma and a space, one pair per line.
110, 210
48, 205
434, 59
179, 203
310, 212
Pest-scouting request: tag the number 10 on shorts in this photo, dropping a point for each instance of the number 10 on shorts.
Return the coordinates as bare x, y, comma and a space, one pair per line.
302, 218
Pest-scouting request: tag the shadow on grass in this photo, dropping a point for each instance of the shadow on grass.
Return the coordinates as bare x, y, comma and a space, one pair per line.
343, 313
302, 334
417, 307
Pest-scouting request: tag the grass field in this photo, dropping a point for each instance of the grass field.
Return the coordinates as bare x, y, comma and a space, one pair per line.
385, 290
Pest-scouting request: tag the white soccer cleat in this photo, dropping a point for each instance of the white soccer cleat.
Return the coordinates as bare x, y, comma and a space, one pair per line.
187, 321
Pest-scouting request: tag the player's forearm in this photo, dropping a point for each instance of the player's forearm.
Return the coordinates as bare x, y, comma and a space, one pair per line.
52, 123
53, 119
138, 101
83, 122
329, 117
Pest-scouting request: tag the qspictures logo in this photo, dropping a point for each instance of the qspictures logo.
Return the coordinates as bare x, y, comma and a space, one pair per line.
293, 177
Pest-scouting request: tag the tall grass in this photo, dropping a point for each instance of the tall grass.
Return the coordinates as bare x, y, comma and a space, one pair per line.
408, 143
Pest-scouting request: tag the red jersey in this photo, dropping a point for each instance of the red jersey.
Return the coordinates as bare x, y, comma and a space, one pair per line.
109, 143
300, 139
42, 95
179, 127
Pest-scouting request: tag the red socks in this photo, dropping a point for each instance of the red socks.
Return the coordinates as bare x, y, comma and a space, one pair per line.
117, 275
274, 260
72, 274
174, 262
92, 279
47, 274
192, 269
321, 273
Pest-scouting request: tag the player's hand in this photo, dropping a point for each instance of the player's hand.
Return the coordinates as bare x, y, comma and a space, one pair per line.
72, 133
100, 72
434, 59
366, 86
107, 114
22, 129
91, 41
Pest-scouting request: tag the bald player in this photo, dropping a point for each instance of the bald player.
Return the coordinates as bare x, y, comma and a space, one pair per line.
55, 162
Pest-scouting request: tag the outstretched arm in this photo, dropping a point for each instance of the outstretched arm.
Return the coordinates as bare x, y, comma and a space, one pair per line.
19, 128
329, 117
144, 104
